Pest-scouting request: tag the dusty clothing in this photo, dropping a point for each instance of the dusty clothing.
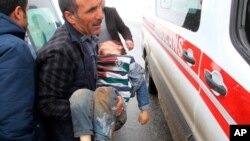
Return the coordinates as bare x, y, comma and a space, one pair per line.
17, 83
93, 112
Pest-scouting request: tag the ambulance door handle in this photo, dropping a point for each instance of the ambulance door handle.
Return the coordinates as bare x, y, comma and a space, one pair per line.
221, 89
188, 57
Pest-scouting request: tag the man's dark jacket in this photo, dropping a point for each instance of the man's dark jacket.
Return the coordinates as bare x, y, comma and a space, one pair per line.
63, 66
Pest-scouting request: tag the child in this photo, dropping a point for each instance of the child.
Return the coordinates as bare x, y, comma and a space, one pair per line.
119, 70
95, 110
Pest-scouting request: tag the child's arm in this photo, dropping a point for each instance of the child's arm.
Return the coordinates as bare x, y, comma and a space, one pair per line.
143, 103
136, 76
142, 97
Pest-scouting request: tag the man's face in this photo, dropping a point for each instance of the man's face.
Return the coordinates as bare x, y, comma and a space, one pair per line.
89, 16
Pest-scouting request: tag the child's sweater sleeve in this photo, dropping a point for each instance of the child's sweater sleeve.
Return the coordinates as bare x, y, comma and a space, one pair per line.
142, 97
136, 76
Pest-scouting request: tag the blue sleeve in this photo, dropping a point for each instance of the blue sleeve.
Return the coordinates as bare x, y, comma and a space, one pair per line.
142, 96
136, 75
17, 90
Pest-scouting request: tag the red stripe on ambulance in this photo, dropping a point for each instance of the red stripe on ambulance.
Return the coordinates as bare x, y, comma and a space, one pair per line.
237, 99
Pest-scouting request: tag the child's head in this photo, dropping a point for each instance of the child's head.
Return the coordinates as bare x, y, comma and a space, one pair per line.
111, 47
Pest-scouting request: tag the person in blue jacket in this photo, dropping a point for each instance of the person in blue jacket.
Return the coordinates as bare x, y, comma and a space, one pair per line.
17, 81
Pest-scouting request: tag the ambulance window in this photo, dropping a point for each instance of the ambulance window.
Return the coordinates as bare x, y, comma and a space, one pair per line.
43, 21
184, 13
240, 27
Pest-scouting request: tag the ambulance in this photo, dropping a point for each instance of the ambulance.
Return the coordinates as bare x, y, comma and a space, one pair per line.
197, 56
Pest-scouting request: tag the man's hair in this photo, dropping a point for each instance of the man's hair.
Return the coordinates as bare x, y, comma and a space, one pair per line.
68, 5
8, 6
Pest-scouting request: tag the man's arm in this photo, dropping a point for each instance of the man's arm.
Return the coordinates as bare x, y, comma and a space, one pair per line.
123, 30
55, 74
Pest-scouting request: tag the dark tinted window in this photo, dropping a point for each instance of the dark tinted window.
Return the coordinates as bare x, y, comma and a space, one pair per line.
184, 13
240, 27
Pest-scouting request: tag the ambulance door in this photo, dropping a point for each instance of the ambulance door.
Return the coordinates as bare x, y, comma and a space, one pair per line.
224, 71
176, 27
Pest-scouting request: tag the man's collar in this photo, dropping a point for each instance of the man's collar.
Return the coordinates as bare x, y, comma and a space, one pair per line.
91, 38
74, 34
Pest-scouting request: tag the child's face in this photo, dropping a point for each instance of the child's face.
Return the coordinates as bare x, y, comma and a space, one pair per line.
110, 47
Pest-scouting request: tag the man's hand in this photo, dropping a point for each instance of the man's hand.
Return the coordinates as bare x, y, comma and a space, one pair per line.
129, 44
119, 105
